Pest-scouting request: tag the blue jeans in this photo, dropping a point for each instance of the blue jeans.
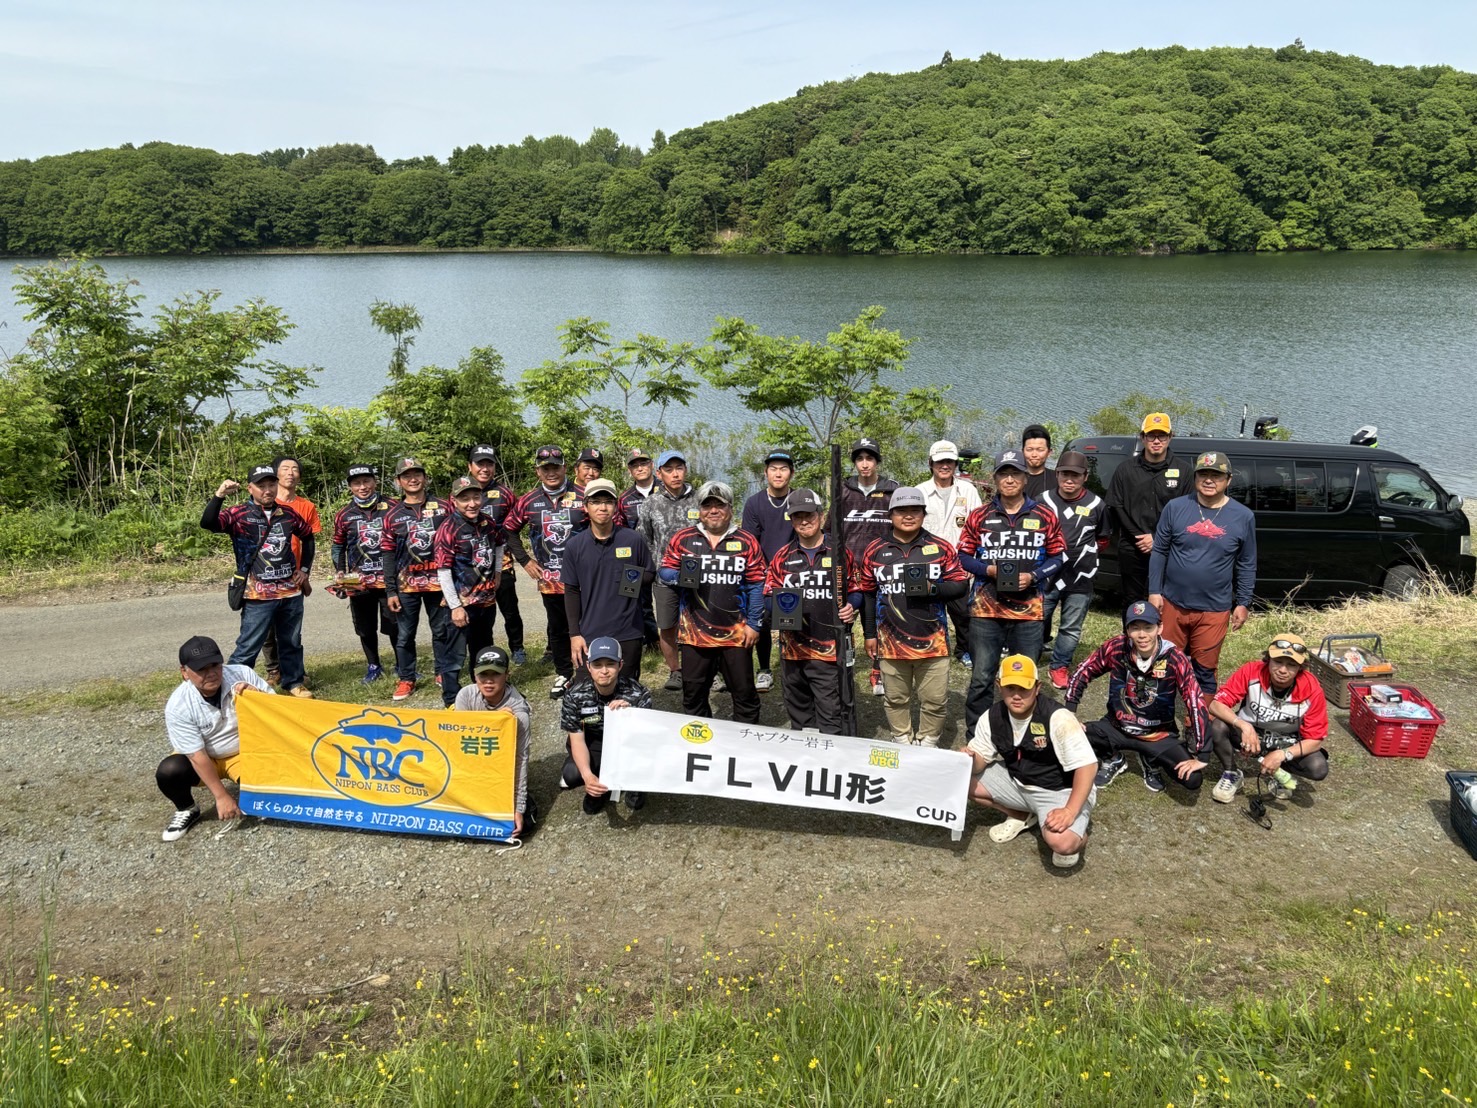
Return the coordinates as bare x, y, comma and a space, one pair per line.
988, 638
1073, 611
286, 618
439, 618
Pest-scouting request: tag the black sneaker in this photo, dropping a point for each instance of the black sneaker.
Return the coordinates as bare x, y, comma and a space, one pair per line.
180, 822
595, 804
1108, 771
1153, 781
635, 801
674, 681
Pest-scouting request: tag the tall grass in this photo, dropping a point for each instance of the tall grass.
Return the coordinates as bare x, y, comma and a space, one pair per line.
1351, 1008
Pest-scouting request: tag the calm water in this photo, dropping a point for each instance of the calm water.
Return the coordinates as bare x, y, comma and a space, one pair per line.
1327, 342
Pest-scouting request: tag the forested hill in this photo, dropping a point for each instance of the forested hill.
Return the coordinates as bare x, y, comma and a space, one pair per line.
1154, 150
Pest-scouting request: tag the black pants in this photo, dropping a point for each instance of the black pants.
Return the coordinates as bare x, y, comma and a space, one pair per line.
464, 644
558, 633
507, 604
1133, 572
1109, 742
649, 630
700, 663
176, 777
569, 776
630, 658
1227, 744
765, 647
438, 615
958, 610
813, 695
370, 611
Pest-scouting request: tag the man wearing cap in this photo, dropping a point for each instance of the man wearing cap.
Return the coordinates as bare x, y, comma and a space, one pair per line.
628, 514
605, 569
1140, 488
1036, 449
469, 558
357, 551
552, 512
289, 476
1034, 764
491, 691
200, 719
1081, 514
767, 518
1202, 568
1014, 547
261, 533
948, 502
801, 576
672, 507
588, 466
720, 606
1273, 710
408, 558
582, 717
908, 576
864, 499
1145, 675
497, 501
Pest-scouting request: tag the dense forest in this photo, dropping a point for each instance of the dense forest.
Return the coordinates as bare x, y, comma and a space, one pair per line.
1154, 150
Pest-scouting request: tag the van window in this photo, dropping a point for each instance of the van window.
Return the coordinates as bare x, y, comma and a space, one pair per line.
1274, 486
1310, 489
1405, 487
1341, 478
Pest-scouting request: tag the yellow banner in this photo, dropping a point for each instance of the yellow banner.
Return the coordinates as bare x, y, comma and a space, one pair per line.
407, 770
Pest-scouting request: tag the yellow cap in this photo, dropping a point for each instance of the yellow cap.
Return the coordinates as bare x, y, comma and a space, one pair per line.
1156, 421
1017, 669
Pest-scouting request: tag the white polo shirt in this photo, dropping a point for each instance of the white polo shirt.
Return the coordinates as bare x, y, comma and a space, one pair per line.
194, 724
945, 510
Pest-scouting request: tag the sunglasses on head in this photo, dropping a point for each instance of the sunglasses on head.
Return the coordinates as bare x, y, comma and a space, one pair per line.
1286, 644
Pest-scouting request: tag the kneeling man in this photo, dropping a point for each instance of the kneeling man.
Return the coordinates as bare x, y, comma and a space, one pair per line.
1034, 763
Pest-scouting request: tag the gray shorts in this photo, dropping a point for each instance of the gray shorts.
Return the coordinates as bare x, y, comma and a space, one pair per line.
664, 602
1005, 789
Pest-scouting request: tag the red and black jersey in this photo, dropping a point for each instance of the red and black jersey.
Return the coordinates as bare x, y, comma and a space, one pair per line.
1031, 538
264, 545
469, 548
551, 516
358, 535
410, 531
909, 628
628, 507
1301, 712
731, 590
497, 502
811, 573
865, 517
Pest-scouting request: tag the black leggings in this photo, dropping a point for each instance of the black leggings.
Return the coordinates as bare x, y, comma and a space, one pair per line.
1164, 754
176, 777
1312, 766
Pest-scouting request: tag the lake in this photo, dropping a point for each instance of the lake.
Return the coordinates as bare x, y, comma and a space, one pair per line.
1327, 342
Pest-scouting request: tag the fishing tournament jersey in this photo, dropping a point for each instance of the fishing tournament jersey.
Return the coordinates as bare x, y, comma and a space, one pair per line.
1031, 538
410, 531
811, 573
732, 582
628, 506
551, 516
864, 515
909, 628
469, 548
1141, 697
497, 502
358, 535
267, 542
1299, 713
582, 708
1082, 521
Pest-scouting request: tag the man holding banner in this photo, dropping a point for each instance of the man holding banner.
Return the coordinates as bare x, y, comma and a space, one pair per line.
582, 716
491, 692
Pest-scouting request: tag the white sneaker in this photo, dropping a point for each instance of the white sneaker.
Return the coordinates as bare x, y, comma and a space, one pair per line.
1227, 787
557, 690
720, 685
764, 681
1064, 861
182, 820
1004, 832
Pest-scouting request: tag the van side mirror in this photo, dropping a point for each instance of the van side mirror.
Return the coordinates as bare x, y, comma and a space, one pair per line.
1454, 503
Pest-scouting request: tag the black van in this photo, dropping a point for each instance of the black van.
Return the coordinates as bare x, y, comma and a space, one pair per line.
1330, 519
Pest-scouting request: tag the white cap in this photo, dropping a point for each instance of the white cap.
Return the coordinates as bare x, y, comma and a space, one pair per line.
943, 451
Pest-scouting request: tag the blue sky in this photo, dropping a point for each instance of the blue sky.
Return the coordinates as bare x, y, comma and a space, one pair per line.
424, 78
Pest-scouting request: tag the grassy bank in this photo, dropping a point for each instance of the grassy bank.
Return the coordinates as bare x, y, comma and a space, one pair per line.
1352, 1008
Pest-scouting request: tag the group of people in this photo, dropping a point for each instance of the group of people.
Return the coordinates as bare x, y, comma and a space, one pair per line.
933, 571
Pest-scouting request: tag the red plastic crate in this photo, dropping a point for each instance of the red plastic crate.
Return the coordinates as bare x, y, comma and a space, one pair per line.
1393, 738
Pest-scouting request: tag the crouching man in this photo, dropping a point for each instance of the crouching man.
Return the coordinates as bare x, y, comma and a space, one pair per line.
1033, 762
200, 718
582, 717
491, 692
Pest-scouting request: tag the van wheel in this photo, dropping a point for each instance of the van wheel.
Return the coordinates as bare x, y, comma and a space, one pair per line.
1402, 583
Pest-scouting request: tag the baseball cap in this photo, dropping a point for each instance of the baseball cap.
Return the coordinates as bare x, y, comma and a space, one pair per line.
1290, 647
943, 451
1141, 611
361, 470
549, 456
1213, 460
1010, 459
670, 456
804, 500
1156, 421
605, 649
464, 484
601, 485
1017, 669
405, 465
491, 659
260, 474
1073, 461
868, 446
715, 490
198, 652
592, 455
482, 453
780, 456
906, 496
637, 454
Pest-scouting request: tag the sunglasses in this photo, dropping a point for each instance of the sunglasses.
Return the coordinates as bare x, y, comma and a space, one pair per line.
1296, 647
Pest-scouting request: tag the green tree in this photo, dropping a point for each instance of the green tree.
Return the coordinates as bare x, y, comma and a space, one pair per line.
400, 322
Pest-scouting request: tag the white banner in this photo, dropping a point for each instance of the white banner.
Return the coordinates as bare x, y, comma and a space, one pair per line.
663, 752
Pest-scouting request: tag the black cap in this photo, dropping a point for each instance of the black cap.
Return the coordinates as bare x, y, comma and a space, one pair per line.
1073, 461
593, 455
482, 453
198, 652
260, 474
780, 456
361, 470
493, 658
804, 500
549, 456
868, 446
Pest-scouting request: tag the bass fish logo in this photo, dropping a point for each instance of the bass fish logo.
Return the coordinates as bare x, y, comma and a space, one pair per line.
374, 757
696, 732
